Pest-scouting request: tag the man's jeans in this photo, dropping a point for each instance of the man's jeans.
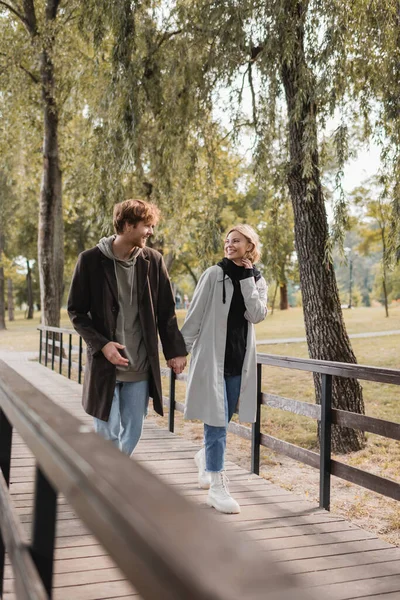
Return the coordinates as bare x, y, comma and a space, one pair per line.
128, 411
215, 437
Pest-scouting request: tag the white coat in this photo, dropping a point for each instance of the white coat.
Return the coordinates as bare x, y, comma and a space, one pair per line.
204, 332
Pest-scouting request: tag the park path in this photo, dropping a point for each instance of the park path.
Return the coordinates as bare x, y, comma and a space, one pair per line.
297, 340
332, 558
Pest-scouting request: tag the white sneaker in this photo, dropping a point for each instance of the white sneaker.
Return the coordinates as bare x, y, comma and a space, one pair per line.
219, 496
204, 478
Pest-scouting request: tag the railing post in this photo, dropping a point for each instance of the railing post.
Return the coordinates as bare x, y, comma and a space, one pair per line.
256, 427
171, 416
60, 347
69, 355
46, 350
80, 361
53, 348
44, 528
40, 345
325, 443
5, 462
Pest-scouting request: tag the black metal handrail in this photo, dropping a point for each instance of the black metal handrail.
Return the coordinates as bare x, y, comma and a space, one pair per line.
165, 545
324, 413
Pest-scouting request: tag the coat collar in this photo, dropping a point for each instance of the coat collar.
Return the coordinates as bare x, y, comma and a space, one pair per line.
142, 269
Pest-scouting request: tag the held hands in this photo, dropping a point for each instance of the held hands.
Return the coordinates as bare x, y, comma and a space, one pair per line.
111, 353
177, 364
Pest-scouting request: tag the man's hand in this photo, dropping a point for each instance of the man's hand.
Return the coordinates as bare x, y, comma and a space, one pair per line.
177, 364
111, 353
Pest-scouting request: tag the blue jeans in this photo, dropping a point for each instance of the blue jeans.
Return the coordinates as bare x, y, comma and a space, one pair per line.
215, 437
128, 411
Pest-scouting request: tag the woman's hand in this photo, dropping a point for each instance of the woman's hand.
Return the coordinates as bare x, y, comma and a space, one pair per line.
247, 263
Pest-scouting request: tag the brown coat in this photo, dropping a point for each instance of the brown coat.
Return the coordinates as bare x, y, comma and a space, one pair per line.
93, 309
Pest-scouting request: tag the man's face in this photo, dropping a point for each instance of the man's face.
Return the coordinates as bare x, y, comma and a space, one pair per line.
138, 234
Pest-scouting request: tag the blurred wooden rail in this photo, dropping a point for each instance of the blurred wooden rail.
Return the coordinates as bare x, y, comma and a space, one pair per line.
166, 547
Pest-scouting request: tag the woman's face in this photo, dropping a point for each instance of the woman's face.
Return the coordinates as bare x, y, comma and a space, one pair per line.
236, 246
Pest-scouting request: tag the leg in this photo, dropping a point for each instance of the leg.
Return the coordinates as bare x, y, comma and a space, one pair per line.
215, 437
109, 430
232, 390
134, 402
215, 445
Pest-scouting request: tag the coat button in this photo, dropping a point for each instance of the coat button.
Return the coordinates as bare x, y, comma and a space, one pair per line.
114, 309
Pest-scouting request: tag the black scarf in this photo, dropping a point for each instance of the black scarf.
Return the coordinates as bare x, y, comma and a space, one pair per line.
237, 326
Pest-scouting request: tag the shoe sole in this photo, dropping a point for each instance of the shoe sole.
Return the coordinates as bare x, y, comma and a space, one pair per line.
225, 512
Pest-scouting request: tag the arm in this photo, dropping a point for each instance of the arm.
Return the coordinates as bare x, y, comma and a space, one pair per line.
79, 302
255, 299
194, 317
171, 338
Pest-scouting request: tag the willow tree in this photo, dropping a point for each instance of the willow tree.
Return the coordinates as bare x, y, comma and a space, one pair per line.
289, 55
373, 66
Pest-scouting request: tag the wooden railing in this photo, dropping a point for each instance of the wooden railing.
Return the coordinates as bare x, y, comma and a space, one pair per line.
166, 546
54, 352
325, 414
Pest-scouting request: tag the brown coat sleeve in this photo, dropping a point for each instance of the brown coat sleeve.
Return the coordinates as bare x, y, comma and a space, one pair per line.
79, 305
171, 338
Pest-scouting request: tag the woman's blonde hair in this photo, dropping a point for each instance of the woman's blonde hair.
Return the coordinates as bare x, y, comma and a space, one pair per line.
252, 237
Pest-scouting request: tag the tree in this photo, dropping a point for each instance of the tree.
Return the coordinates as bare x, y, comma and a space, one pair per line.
160, 115
374, 228
277, 48
37, 51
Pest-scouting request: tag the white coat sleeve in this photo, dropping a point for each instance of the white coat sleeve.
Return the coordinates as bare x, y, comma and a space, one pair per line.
194, 317
255, 299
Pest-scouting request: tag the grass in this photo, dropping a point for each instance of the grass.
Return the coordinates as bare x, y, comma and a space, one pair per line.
380, 456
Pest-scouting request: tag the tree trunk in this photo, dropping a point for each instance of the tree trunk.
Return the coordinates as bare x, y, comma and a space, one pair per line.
10, 299
191, 272
29, 290
2, 287
327, 338
384, 277
274, 297
51, 227
169, 260
284, 303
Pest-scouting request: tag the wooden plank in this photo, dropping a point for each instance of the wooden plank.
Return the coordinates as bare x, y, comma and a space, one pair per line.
381, 485
240, 430
346, 418
360, 589
289, 554
349, 574
301, 531
87, 577
294, 406
94, 591
340, 369
303, 541
301, 454
330, 563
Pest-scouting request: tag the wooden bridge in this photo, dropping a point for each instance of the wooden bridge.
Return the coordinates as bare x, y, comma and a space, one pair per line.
165, 541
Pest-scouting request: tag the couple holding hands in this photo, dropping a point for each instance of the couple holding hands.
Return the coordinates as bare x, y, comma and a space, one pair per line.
121, 298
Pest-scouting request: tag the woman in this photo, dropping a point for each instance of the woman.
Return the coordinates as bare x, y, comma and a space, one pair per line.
229, 298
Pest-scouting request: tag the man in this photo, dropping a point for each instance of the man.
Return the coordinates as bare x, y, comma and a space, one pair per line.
120, 296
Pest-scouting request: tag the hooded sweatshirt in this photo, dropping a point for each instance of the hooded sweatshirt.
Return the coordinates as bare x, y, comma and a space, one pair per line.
128, 330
